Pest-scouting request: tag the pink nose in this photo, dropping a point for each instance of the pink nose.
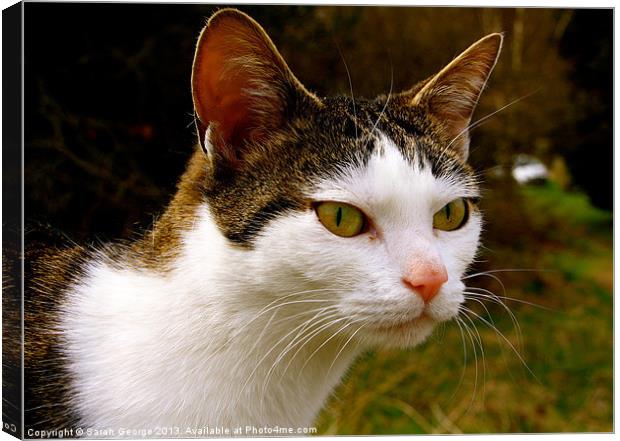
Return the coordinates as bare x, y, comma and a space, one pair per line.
426, 279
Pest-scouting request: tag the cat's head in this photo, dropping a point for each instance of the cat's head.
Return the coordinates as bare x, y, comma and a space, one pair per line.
366, 205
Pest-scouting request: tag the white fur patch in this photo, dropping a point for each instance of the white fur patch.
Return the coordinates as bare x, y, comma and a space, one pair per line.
260, 337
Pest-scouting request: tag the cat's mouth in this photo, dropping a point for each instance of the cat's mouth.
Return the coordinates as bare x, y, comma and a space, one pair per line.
423, 320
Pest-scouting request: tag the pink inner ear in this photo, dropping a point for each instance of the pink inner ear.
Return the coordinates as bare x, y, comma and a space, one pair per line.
231, 62
231, 115
239, 82
220, 99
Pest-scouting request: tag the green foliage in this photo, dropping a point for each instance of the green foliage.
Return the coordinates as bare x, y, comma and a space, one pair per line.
567, 346
568, 212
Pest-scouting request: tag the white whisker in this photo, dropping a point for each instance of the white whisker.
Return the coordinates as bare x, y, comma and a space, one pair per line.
306, 340
335, 334
510, 270
473, 346
344, 346
512, 299
462, 377
350, 88
495, 299
480, 345
387, 101
485, 118
279, 305
508, 342
309, 324
282, 339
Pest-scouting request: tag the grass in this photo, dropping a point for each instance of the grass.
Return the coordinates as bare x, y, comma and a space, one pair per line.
567, 347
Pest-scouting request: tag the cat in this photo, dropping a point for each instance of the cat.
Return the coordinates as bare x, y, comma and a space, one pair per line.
304, 231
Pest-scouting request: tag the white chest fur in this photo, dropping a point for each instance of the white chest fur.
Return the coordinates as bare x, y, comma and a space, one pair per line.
196, 346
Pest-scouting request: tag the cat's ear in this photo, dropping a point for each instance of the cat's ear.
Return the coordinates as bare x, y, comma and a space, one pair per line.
242, 89
451, 95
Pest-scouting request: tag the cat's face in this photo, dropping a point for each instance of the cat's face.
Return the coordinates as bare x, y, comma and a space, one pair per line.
400, 275
367, 206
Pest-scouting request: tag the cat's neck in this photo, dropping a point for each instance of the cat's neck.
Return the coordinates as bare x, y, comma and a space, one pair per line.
208, 341
161, 245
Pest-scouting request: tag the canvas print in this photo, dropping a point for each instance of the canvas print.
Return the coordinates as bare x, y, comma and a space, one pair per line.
310, 220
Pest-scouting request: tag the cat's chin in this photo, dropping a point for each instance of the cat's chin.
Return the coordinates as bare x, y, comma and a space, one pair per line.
401, 334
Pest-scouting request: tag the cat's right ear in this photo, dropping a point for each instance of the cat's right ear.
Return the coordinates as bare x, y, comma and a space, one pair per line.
243, 91
451, 95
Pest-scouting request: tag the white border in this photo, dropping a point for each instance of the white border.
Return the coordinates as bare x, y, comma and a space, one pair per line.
479, 3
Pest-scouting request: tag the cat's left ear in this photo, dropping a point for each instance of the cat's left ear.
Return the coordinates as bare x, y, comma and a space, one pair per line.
243, 90
451, 95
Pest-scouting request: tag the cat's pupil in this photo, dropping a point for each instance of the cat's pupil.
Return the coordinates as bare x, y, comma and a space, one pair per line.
448, 211
339, 216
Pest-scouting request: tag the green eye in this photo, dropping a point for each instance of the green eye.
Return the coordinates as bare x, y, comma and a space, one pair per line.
452, 216
342, 219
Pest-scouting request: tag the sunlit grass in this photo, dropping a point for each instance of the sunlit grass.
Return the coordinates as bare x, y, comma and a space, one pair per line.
439, 388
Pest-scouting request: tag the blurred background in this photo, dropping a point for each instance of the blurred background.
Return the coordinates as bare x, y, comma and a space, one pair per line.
109, 129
